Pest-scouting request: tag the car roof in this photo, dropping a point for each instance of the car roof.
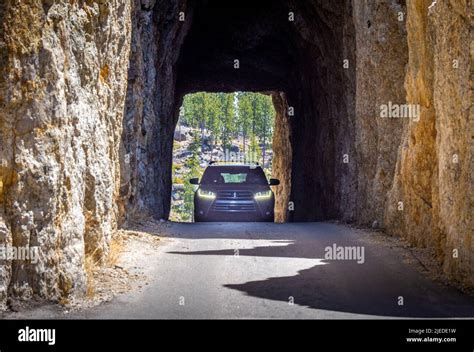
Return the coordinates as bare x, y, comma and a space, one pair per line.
253, 166
236, 165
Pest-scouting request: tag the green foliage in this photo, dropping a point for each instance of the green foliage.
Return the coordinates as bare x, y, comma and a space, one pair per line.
229, 115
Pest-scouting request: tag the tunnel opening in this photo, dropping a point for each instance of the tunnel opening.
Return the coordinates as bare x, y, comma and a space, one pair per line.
264, 47
229, 129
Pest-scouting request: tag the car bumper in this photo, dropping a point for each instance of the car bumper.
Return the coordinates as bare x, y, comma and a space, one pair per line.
233, 217
248, 211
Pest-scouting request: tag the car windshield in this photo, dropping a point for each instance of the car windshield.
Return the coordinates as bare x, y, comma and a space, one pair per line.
234, 175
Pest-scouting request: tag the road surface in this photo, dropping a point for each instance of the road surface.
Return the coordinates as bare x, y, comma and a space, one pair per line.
244, 270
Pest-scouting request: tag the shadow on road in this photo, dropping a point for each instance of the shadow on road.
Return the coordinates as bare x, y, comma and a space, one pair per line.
372, 288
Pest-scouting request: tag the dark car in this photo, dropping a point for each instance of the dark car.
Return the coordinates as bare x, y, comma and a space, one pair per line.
234, 192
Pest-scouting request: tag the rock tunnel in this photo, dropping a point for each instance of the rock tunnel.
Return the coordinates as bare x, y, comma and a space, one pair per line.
222, 48
89, 98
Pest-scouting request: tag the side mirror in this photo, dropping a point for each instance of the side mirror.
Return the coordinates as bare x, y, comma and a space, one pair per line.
274, 182
194, 181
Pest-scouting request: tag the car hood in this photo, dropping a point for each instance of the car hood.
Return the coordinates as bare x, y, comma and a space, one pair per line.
232, 186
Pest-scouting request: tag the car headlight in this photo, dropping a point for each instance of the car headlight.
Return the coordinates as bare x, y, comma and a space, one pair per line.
263, 195
206, 194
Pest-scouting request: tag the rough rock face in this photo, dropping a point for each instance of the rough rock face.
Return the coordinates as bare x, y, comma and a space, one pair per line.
434, 172
62, 86
415, 174
321, 91
382, 55
282, 157
151, 107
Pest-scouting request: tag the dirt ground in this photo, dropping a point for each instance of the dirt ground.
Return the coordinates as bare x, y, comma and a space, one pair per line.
129, 273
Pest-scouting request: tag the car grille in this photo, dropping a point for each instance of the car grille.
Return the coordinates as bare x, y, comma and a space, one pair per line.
235, 195
234, 201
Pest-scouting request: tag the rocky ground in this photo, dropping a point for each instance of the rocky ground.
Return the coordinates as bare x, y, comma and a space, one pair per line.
129, 272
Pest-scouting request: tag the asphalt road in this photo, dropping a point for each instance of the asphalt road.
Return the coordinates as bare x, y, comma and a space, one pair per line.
232, 270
